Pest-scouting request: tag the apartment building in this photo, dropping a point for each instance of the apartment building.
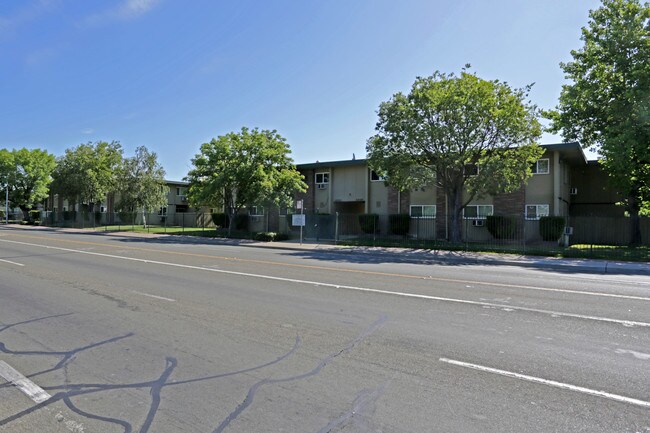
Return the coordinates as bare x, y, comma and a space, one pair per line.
563, 183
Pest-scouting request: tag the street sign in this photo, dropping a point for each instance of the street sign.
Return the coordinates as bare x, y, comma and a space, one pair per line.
299, 205
298, 220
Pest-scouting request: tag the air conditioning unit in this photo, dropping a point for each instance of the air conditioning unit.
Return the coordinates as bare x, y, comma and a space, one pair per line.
568, 231
321, 186
478, 223
183, 198
573, 191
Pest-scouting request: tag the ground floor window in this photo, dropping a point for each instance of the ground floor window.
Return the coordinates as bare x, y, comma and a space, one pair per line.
256, 210
478, 211
535, 211
423, 211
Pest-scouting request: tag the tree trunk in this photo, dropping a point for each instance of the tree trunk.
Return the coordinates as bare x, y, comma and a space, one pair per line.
25, 210
144, 219
454, 199
635, 222
231, 220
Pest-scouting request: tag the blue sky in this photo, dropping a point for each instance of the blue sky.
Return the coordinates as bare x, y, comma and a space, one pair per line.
172, 74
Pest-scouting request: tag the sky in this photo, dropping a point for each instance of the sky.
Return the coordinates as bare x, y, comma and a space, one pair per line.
172, 74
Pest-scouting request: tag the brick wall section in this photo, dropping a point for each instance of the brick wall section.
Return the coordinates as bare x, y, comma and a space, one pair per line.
392, 200
404, 201
510, 204
308, 197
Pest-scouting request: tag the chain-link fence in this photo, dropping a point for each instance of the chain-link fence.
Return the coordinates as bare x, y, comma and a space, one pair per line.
585, 236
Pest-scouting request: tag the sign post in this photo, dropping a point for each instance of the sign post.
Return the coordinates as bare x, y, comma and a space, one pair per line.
301, 218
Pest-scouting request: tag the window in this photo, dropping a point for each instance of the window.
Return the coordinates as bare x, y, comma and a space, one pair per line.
535, 211
256, 210
181, 191
322, 178
162, 211
540, 166
374, 177
423, 211
478, 212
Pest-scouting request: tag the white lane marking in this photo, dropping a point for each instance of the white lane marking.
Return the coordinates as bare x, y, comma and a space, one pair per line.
155, 296
552, 383
12, 263
339, 286
638, 355
33, 391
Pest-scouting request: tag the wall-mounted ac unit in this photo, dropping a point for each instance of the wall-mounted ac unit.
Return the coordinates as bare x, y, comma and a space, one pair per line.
321, 186
478, 223
568, 231
183, 198
573, 191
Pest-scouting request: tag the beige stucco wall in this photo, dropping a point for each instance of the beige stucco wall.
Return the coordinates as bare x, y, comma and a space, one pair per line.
540, 187
348, 183
377, 197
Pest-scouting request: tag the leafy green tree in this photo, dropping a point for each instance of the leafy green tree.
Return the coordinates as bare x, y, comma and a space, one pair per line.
88, 172
142, 184
606, 106
449, 125
28, 174
244, 169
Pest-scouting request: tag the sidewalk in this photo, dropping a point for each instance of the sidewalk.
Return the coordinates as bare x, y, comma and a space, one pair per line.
437, 256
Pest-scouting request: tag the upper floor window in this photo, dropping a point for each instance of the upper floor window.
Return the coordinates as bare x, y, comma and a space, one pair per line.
323, 177
535, 211
478, 212
541, 166
181, 191
256, 210
322, 180
374, 177
423, 211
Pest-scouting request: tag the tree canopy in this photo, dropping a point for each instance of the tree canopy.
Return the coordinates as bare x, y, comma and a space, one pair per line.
142, 183
449, 125
606, 104
89, 172
246, 168
28, 174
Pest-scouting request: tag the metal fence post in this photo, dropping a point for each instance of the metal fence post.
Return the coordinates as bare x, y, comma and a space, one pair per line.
336, 229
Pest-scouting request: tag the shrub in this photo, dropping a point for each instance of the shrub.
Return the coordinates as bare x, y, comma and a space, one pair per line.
98, 217
550, 227
220, 219
265, 236
241, 222
282, 237
369, 223
501, 227
34, 216
399, 224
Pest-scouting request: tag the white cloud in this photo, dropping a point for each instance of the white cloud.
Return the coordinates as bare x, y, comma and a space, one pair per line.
128, 9
87, 131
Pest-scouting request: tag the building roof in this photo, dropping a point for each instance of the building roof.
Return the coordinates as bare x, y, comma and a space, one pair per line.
318, 164
571, 151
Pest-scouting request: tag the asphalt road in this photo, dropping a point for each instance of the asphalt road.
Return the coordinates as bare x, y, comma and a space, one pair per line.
129, 334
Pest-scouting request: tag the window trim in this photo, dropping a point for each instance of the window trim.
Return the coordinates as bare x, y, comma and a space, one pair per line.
535, 169
423, 216
537, 214
478, 214
322, 173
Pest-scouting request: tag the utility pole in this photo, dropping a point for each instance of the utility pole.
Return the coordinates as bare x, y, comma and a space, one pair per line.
7, 204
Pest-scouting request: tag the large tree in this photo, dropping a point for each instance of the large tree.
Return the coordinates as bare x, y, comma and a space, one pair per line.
89, 172
468, 136
28, 174
606, 105
247, 168
142, 185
